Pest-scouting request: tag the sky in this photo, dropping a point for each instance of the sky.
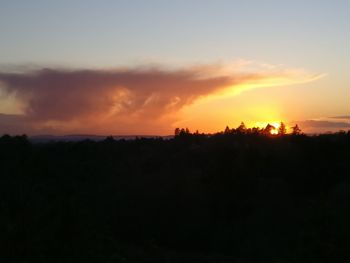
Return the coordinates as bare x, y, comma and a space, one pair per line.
147, 67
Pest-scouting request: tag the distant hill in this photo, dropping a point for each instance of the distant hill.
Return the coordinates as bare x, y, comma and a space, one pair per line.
82, 137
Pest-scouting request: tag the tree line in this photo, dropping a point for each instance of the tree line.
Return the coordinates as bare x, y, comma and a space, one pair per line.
242, 129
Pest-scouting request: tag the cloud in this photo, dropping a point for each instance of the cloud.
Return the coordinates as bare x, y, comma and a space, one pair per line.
324, 124
124, 99
343, 117
11, 123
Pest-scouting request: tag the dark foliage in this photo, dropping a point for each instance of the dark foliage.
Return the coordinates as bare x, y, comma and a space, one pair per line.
230, 197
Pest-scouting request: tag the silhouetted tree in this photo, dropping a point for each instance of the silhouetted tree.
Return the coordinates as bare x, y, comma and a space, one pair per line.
241, 128
109, 139
268, 129
282, 129
182, 132
296, 130
177, 131
227, 130
255, 130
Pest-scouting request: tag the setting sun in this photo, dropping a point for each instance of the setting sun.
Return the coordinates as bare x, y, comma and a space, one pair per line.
152, 131
274, 131
275, 126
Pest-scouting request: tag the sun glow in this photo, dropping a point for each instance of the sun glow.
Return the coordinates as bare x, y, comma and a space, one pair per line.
275, 126
274, 132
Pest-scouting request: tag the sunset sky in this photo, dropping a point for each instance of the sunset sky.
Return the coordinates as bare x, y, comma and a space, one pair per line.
146, 67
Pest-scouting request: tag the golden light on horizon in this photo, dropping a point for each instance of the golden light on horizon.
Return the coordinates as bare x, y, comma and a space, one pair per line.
276, 125
264, 124
274, 131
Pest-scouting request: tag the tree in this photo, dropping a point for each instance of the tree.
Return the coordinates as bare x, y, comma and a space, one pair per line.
296, 130
282, 129
242, 128
177, 131
227, 130
268, 129
182, 132
109, 139
256, 130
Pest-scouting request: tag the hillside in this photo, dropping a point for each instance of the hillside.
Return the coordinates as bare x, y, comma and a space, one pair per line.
194, 198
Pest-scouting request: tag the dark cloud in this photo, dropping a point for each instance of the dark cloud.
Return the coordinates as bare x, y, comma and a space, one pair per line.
79, 99
62, 95
14, 124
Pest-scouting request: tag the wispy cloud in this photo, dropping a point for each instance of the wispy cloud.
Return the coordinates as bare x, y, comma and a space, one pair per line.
341, 117
127, 98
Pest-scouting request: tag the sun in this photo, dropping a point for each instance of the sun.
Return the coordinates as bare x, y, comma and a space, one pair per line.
274, 131
274, 124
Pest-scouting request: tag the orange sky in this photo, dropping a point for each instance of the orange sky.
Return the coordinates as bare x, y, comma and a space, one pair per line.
144, 100
155, 66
